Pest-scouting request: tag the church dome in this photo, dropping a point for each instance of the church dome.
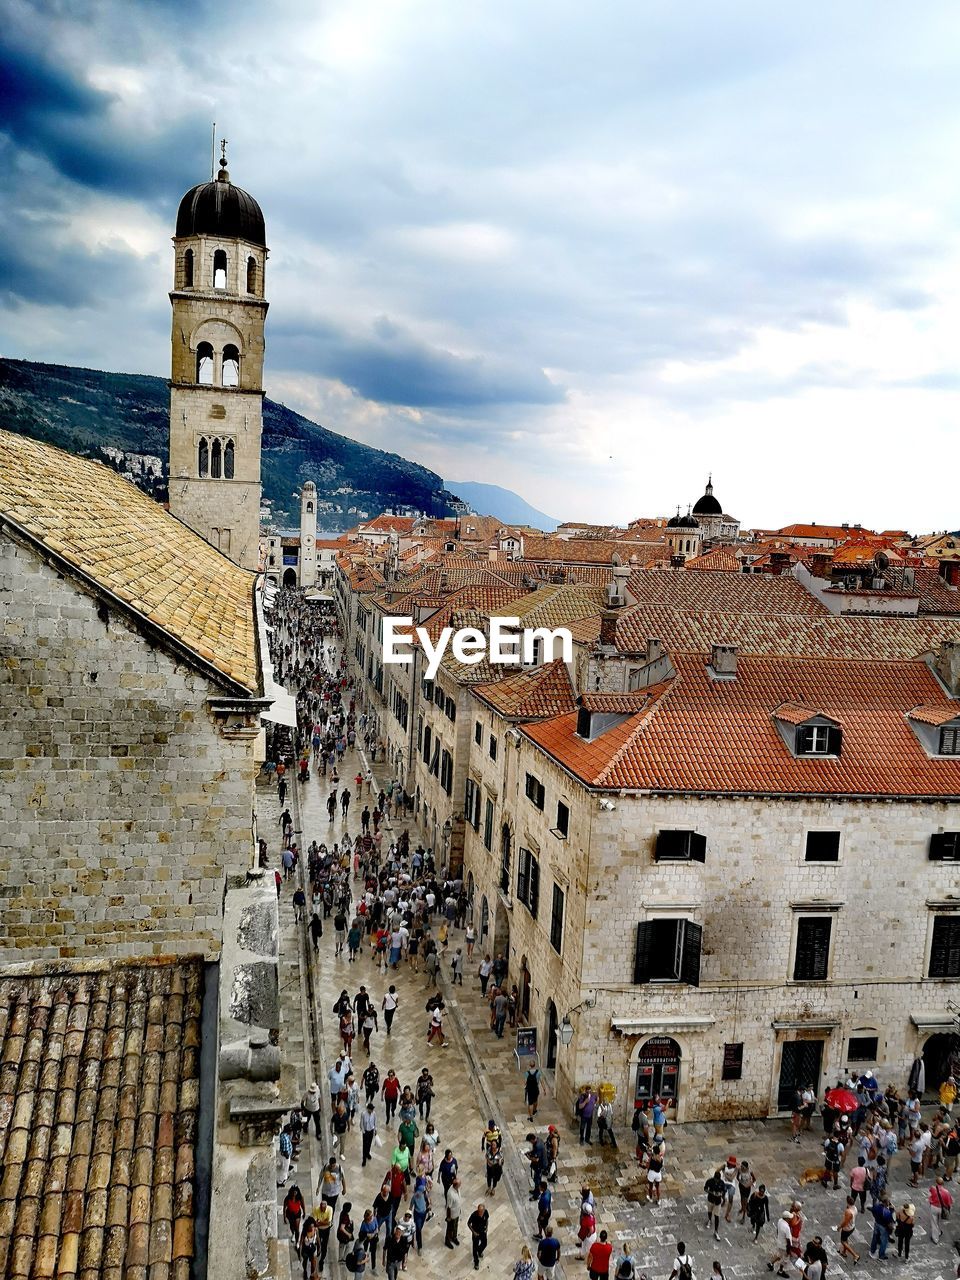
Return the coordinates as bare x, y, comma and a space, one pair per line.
682, 522
708, 505
221, 209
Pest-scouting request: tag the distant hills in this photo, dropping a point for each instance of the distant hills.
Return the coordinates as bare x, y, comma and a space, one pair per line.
491, 500
122, 419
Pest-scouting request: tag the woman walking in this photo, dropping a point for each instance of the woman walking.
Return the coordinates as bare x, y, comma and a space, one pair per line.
532, 1085
846, 1228
494, 1161
906, 1217
758, 1209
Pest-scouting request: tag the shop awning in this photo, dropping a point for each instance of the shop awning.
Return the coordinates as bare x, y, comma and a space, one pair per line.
659, 1026
935, 1021
283, 709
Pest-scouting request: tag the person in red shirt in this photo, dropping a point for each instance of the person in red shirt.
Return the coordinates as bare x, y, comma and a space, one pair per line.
598, 1259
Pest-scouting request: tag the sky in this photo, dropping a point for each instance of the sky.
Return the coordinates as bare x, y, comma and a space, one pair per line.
587, 252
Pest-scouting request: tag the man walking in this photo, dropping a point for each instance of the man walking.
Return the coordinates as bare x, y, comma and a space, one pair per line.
368, 1130
451, 1239
478, 1222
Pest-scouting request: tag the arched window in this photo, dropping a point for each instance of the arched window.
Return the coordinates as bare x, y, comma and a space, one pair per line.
205, 364
216, 460
203, 457
188, 269
309, 507
251, 275
228, 460
220, 269
231, 366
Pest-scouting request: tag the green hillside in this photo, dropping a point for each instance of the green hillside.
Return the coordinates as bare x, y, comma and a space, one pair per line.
86, 412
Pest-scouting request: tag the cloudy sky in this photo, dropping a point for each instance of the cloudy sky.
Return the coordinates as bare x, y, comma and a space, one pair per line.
588, 252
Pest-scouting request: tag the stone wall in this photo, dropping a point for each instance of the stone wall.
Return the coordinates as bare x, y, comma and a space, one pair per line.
122, 808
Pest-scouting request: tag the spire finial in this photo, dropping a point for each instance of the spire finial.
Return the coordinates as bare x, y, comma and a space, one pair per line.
223, 175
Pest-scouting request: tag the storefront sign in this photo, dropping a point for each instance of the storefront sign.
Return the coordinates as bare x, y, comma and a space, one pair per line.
526, 1042
732, 1061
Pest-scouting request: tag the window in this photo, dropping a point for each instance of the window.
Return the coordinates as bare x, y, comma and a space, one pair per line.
231, 366
427, 741
950, 742
488, 824
188, 269
446, 772
228, 460
556, 920
450, 709
680, 846
203, 457
811, 962
863, 1048
505, 860
945, 947
945, 846
534, 790
563, 818
401, 707
251, 275
419, 733
818, 740
216, 460
493, 747
478, 733
823, 846
668, 950
528, 881
219, 269
471, 804
205, 364
435, 758
427, 690
438, 695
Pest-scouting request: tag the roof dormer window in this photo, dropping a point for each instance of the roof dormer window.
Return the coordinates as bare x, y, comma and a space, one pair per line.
807, 731
814, 740
950, 741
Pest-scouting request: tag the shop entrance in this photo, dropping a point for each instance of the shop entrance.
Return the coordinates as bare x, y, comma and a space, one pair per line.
658, 1070
941, 1058
800, 1062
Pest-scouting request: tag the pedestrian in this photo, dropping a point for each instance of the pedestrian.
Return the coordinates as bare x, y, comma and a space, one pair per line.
533, 1085
882, 1225
758, 1209
282, 790
846, 1227
655, 1169
544, 1209
906, 1217
784, 1243
479, 1223
293, 1211
447, 1171
424, 1093
332, 1184
340, 930
858, 1181
745, 1181
435, 1029
598, 1259
395, 1253
278, 879
456, 967
371, 1081
310, 1104
548, 1254
344, 1232
367, 1027
316, 931
451, 1238
625, 1268
683, 1264
309, 1248
728, 1174
587, 1229
585, 1107
605, 1123
486, 968
715, 1196
368, 1237
500, 1007
420, 1208
323, 1216
389, 1006
494, 1165
470, 938
941, 1202
368, 1132
284, 1155
391, 1093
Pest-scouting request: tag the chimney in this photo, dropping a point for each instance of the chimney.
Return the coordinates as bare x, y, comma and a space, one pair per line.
608, 629
655, 649
493, 553
723, 662
820, 564
946, 664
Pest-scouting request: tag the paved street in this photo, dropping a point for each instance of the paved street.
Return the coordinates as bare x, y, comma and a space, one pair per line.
477, 1075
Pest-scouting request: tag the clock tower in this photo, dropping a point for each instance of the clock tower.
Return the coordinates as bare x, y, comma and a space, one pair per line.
216, 380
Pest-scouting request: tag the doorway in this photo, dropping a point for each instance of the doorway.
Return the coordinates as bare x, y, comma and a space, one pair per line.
524, 992
553, 1023
289, 577
940, 1054
658, 1070
501, 932
800, 1063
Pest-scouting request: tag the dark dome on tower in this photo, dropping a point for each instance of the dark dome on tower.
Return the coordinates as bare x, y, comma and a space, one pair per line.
221, 209
682, 522
708, 505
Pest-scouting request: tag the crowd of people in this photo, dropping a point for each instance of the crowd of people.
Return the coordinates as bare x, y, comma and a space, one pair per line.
385, 897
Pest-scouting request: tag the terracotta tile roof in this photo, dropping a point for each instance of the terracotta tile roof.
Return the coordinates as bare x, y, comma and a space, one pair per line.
627, 704
711, 736
836, 531
387, 524
555, 606
739, 593
936, 715
722, 558
99, 1102
530, 695
590, 550
936, 597
794, 713
105, 527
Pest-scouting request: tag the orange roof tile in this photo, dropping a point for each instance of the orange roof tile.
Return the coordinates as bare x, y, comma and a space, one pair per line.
935, 715
794, 713
528, 695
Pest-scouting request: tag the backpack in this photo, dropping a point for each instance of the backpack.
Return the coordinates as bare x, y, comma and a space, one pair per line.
625, 1271
350, 1261
685, 1271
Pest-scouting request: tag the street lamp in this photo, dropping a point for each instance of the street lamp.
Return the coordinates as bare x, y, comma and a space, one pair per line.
565, 1029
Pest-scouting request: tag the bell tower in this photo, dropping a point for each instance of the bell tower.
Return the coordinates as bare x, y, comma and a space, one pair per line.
216, 380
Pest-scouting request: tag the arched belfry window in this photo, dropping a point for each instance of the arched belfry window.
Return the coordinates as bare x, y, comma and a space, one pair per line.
228, 452
203, 457
220, 269
309, 507
251, 275
205, 364
188, 269
216, 460
231, 366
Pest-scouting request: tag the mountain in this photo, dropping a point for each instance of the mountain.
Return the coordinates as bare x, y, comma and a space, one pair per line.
491, 500
122, 419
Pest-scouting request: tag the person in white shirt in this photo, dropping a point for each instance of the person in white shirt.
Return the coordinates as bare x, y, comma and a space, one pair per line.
682, 1264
